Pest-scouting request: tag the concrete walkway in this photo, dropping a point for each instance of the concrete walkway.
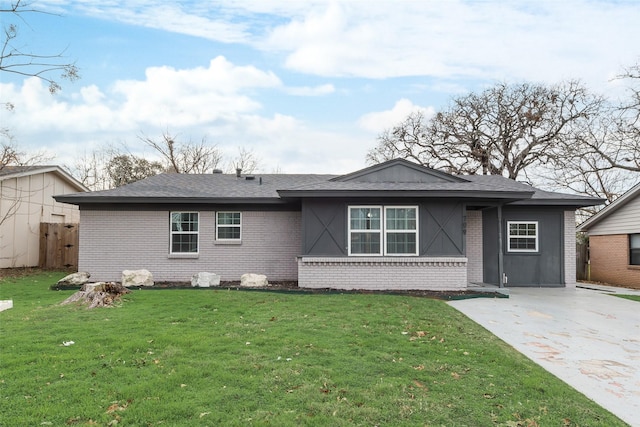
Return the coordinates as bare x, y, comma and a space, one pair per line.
587, 338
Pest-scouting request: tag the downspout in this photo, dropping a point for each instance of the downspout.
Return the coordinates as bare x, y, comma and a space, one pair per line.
500, 251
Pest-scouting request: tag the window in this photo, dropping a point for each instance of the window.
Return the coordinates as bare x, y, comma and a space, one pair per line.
184, 232
523, 236
401, 230
371, 234
634, 249
365, 230
228, 225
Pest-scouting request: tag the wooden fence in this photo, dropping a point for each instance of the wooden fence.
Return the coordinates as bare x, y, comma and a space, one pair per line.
582, 261
58, 245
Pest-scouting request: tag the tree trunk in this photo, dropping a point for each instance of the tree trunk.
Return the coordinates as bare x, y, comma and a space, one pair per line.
94, 295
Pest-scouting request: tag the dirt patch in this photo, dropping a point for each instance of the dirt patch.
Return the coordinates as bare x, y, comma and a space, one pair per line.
292, 287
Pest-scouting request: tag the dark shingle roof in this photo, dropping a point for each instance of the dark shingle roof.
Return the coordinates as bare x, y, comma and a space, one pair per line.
280, 188
197, 188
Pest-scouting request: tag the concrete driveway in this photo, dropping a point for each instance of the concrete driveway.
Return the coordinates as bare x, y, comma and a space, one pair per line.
587, 338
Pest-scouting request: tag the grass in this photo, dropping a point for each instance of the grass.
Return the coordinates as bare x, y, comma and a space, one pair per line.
631, 297
223, 357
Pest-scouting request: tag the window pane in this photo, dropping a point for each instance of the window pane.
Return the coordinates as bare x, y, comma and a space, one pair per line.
634, 249
401, 218
184, 221
401, 243
228, 232
184, 243
365, 243
228, 218
522, 243
365, 218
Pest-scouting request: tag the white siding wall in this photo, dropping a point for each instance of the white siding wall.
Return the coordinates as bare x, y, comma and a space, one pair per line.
474, 246
112, 241
625, 220
383, 273
26, 202
570, 249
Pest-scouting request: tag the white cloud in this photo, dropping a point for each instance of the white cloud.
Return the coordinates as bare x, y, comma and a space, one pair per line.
214, 102
540, 41
325, 89
193, 96
379, 121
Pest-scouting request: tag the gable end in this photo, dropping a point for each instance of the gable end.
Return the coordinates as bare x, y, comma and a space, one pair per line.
399, 170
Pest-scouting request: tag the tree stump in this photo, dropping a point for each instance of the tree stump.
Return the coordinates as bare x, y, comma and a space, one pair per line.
102, 294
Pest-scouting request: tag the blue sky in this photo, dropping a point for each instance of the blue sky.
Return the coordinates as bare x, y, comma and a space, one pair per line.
306, 85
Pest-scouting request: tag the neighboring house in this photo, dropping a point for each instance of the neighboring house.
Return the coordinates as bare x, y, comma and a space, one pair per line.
614, 241
26, 201
396, 225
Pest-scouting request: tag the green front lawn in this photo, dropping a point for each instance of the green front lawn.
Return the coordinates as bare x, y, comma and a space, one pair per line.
224, 357
631, 297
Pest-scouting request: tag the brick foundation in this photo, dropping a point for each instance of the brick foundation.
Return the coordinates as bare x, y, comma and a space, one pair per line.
383, 273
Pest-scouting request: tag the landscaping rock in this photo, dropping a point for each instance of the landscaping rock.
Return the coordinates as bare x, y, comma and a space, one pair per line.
205, 280
75, 279
251, 280
137, 278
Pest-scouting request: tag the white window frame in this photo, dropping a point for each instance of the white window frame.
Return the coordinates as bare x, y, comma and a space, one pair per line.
239, 226
383, 232
379, 231
515, 236
173, 233
387, 232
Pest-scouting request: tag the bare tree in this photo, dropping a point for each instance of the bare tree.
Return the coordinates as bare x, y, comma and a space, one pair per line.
16, 60
90, 170
11, 155
247, 160
185, 157
504, 130
604, 160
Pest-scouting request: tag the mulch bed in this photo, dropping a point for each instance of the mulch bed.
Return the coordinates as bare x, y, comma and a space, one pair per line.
292, 287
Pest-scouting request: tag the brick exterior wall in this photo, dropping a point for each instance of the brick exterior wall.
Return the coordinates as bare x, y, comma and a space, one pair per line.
474, 247
609, 257
383, 273
112, 241
570, 249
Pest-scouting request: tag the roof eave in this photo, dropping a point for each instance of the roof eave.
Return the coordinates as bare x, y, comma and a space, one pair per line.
509, 195
578, 203
169, 200
46, 169
611, 208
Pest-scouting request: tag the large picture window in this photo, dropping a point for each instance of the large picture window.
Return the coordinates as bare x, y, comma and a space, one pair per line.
522, 236
184, 232
634, 249
374, 230
228, 226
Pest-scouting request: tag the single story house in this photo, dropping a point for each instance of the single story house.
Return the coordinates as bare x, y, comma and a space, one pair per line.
26, 200
614, 241
395, 225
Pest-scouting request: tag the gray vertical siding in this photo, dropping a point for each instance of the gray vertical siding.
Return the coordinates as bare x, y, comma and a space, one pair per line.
112, 241
325, 228
543, 268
